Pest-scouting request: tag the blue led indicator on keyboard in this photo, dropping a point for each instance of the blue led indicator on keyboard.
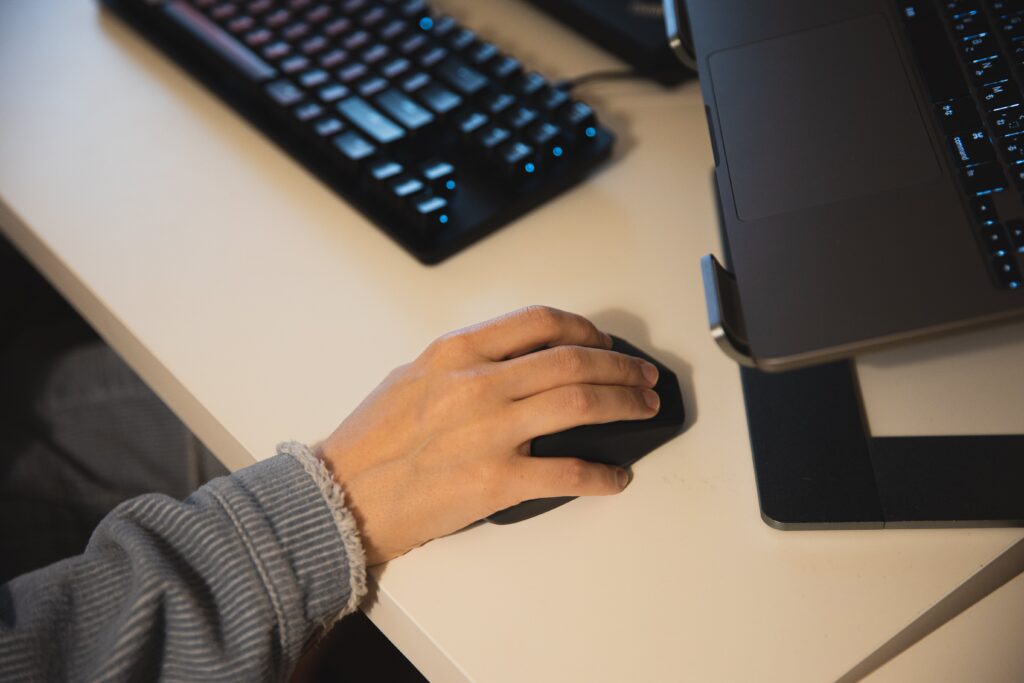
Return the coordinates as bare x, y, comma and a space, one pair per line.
426, 23
590, 131
557, 151
529, 167
450, 184
443, 218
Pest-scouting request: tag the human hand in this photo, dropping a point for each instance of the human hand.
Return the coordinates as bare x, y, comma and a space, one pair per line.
445, 440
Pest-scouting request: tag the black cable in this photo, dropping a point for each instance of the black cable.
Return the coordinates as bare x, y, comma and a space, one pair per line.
596, 76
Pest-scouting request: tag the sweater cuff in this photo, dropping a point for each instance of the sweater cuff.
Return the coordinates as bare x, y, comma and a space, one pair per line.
302, 540
345, 522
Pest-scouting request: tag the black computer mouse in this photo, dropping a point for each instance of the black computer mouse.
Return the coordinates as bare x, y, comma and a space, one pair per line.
614, 443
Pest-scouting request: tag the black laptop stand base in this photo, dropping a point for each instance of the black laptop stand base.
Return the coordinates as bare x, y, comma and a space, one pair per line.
818, 467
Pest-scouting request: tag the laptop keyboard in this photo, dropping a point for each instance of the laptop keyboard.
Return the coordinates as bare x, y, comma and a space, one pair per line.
431, 131
971, 57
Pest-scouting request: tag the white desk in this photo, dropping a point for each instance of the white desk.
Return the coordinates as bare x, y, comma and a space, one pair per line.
260, 307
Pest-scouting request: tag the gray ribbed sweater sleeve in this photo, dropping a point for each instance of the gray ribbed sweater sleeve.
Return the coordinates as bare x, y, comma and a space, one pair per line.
230, 584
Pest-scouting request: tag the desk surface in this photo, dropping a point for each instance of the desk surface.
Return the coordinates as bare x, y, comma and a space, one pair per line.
261, 308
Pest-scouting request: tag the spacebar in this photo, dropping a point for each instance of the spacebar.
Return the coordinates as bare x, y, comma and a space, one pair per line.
218, 40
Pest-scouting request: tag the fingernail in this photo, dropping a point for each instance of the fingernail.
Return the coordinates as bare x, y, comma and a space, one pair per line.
622, 477
650, 372
607, 339
652, 399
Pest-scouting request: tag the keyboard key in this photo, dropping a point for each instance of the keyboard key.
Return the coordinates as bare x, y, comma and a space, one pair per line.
958, 115
505, 68
333, 92
396, 67
372, 122
553, 99
354, 146
330, 126
519, 117
375, 53
241, 24
284, 93
531, 84
969, 24
462, 39
296, 31
416, 81
356, 41
314, 78
1015, 229
481, 54
983, 209
385, 170
411, 44
308, 111
1008, 121
1007, 271
314, 45
1000, 96
391, 30
548, 137
371, 86
318, 14
972, 147
471, 122
977, 47
491, 137
432, 56
404, 110
276, 50
994, 239
517, 158
1013, 148
373, 17
413, 8
991, 70
223, 12
431, 210
406, 187
983, 179
443, 25
277, 18
336, 27
462, 77
351, 73
439, 99
294, 64
440, 176
580, 119
498, 103
333, 59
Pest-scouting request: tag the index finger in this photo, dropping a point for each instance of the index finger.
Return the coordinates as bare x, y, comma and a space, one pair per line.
531, 328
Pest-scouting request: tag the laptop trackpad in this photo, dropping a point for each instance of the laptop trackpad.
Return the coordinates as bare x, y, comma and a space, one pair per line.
818, 117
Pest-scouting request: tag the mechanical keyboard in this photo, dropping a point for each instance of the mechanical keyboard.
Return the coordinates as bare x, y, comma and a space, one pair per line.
432, 132
971, 57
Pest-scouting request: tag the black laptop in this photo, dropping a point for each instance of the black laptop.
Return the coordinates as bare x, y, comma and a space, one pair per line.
869, 166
